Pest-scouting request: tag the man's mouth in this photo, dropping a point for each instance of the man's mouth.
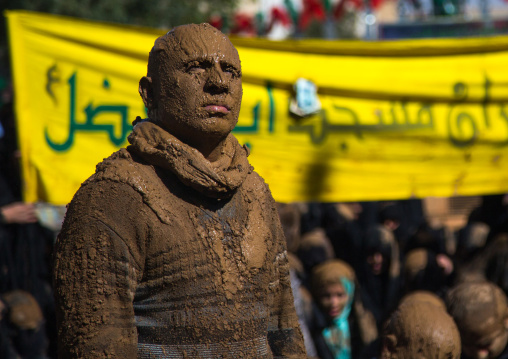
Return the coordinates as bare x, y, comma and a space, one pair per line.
217, 109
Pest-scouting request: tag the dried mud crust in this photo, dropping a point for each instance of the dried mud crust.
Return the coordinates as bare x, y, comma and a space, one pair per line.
173, 248
144, 258
421, 328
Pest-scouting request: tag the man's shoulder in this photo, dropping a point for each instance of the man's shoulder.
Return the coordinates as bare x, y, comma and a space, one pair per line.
119, 170
113, 171
256, 177
257, 190
119, 164
254, 182
121, 167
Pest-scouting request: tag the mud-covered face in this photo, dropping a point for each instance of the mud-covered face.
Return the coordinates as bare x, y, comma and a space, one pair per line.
199, 89
333, 299
486, 345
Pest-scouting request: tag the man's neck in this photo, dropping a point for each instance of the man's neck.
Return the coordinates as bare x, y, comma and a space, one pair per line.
212, 152
210, 148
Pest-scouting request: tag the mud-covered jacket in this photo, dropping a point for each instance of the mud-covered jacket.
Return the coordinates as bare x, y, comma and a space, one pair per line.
166, 255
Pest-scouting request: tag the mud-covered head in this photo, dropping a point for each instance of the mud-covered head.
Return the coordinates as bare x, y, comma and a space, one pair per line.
481, 313
193, 87
423, 296
333, 286
420, 330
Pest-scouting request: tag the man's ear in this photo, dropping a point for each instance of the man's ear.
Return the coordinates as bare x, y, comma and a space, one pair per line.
146, 92
390, 343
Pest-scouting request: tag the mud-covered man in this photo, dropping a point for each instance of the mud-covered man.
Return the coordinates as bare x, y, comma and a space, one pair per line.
480, 310
420, 329
173, 248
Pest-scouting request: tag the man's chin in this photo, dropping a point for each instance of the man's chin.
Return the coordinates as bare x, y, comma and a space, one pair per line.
218, 126
213, 132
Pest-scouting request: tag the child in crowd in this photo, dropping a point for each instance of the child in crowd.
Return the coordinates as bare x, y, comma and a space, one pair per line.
481, 313
343, 329
420, 330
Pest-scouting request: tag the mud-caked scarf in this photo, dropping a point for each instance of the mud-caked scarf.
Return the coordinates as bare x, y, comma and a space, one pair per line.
218, 179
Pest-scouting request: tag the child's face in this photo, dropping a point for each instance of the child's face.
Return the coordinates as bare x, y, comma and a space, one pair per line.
489, 346
333, 299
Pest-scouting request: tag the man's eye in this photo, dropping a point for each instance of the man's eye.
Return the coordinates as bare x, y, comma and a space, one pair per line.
231, 69
195, 67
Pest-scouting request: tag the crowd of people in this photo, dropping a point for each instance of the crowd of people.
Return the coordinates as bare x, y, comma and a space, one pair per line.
27, 324
377, 280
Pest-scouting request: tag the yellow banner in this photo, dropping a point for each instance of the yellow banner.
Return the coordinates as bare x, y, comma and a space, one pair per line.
397, 119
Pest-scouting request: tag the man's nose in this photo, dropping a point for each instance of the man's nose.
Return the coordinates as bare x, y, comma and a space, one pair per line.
217, 81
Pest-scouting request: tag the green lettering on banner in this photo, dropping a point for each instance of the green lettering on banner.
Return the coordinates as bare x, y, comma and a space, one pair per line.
91, 113
354, 125
463, 119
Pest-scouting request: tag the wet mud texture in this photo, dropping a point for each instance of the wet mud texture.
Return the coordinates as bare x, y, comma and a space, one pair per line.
480, 311
190, 69
142, 258
164, 254
423, 296
419, 329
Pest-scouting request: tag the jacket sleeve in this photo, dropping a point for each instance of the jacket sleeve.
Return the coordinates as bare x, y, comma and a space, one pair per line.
284, 335
98, 262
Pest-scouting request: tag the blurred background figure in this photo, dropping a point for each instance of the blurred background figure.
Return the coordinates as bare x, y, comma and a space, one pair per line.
25, 254
481, 313
290, 216
315, 248
379, 272
420, 329
342, 327
423, 271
